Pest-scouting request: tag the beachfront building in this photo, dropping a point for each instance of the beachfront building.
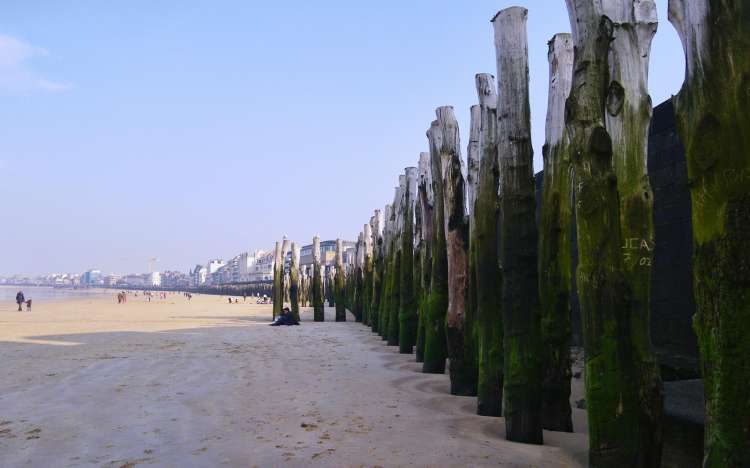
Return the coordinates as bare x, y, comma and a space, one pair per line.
133, 281
199, 275
111, 280
175, 279
327, 253
154, 279
262, 269
92, 277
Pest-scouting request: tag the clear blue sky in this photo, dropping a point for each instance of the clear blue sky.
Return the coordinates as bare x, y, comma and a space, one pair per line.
192, 129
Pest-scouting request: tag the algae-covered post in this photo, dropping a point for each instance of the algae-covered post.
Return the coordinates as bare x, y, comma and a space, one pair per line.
385, 293
627, 117
294, 285
377, 270
458, 324
435, 348
473, 156
317, 283
555, 257
485, 246
339, 293
714, 124
395, 274
425, 251
407, 310
518, 254
367, 274
618, 434
278, 270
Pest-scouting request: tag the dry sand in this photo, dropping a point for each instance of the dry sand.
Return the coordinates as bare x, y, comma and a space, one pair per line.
205, 383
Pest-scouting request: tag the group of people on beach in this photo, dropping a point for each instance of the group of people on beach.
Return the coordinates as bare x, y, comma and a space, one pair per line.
122, 298
20, 300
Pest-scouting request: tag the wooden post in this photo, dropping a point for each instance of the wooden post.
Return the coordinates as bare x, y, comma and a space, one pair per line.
488, 273
395, 275
317, 283
473, 158
627, 119
714, 124
294, 281
435, 348
425, 252
278, 287
367, 274
520, 297
619, 431
357, 281
385, 297
555, 259
339, 293
407, 312
377, 270
458, 326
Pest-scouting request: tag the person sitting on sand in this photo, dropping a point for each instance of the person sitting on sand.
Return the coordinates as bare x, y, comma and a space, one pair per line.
20, 299
285, 318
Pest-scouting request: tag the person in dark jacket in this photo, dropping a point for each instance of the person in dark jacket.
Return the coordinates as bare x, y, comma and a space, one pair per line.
20, 299
285, 318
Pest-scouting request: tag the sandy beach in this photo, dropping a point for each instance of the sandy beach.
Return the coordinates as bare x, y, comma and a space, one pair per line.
172, 383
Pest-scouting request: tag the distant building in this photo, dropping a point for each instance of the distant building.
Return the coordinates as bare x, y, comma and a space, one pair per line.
175, 279
327, 253
109, 280
199, 274
262, 269
133, 281
92, 277
154, 279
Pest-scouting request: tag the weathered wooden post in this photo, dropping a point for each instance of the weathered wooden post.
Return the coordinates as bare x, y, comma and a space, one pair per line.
714, 125
357, 281
294, 281
395, 276
317, 283
339, 293
621, 432
458, 323
278, 287
425, 251
367, 274
407, 311
377, 271
488, 274
520, 298
555, 257
473, 157
628, 117
435, 348
385, 298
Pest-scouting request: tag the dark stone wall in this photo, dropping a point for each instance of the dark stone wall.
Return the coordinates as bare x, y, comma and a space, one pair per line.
672, 304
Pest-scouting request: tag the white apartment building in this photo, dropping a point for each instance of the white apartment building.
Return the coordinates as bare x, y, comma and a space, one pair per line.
262, 269
154, 279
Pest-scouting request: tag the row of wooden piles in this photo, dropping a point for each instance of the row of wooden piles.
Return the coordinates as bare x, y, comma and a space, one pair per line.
457, 269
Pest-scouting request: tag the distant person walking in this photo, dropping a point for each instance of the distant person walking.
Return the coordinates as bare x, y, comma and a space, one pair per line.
20, 299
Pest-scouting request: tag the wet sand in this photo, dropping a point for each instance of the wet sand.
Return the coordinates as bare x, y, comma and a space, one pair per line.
205, 383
